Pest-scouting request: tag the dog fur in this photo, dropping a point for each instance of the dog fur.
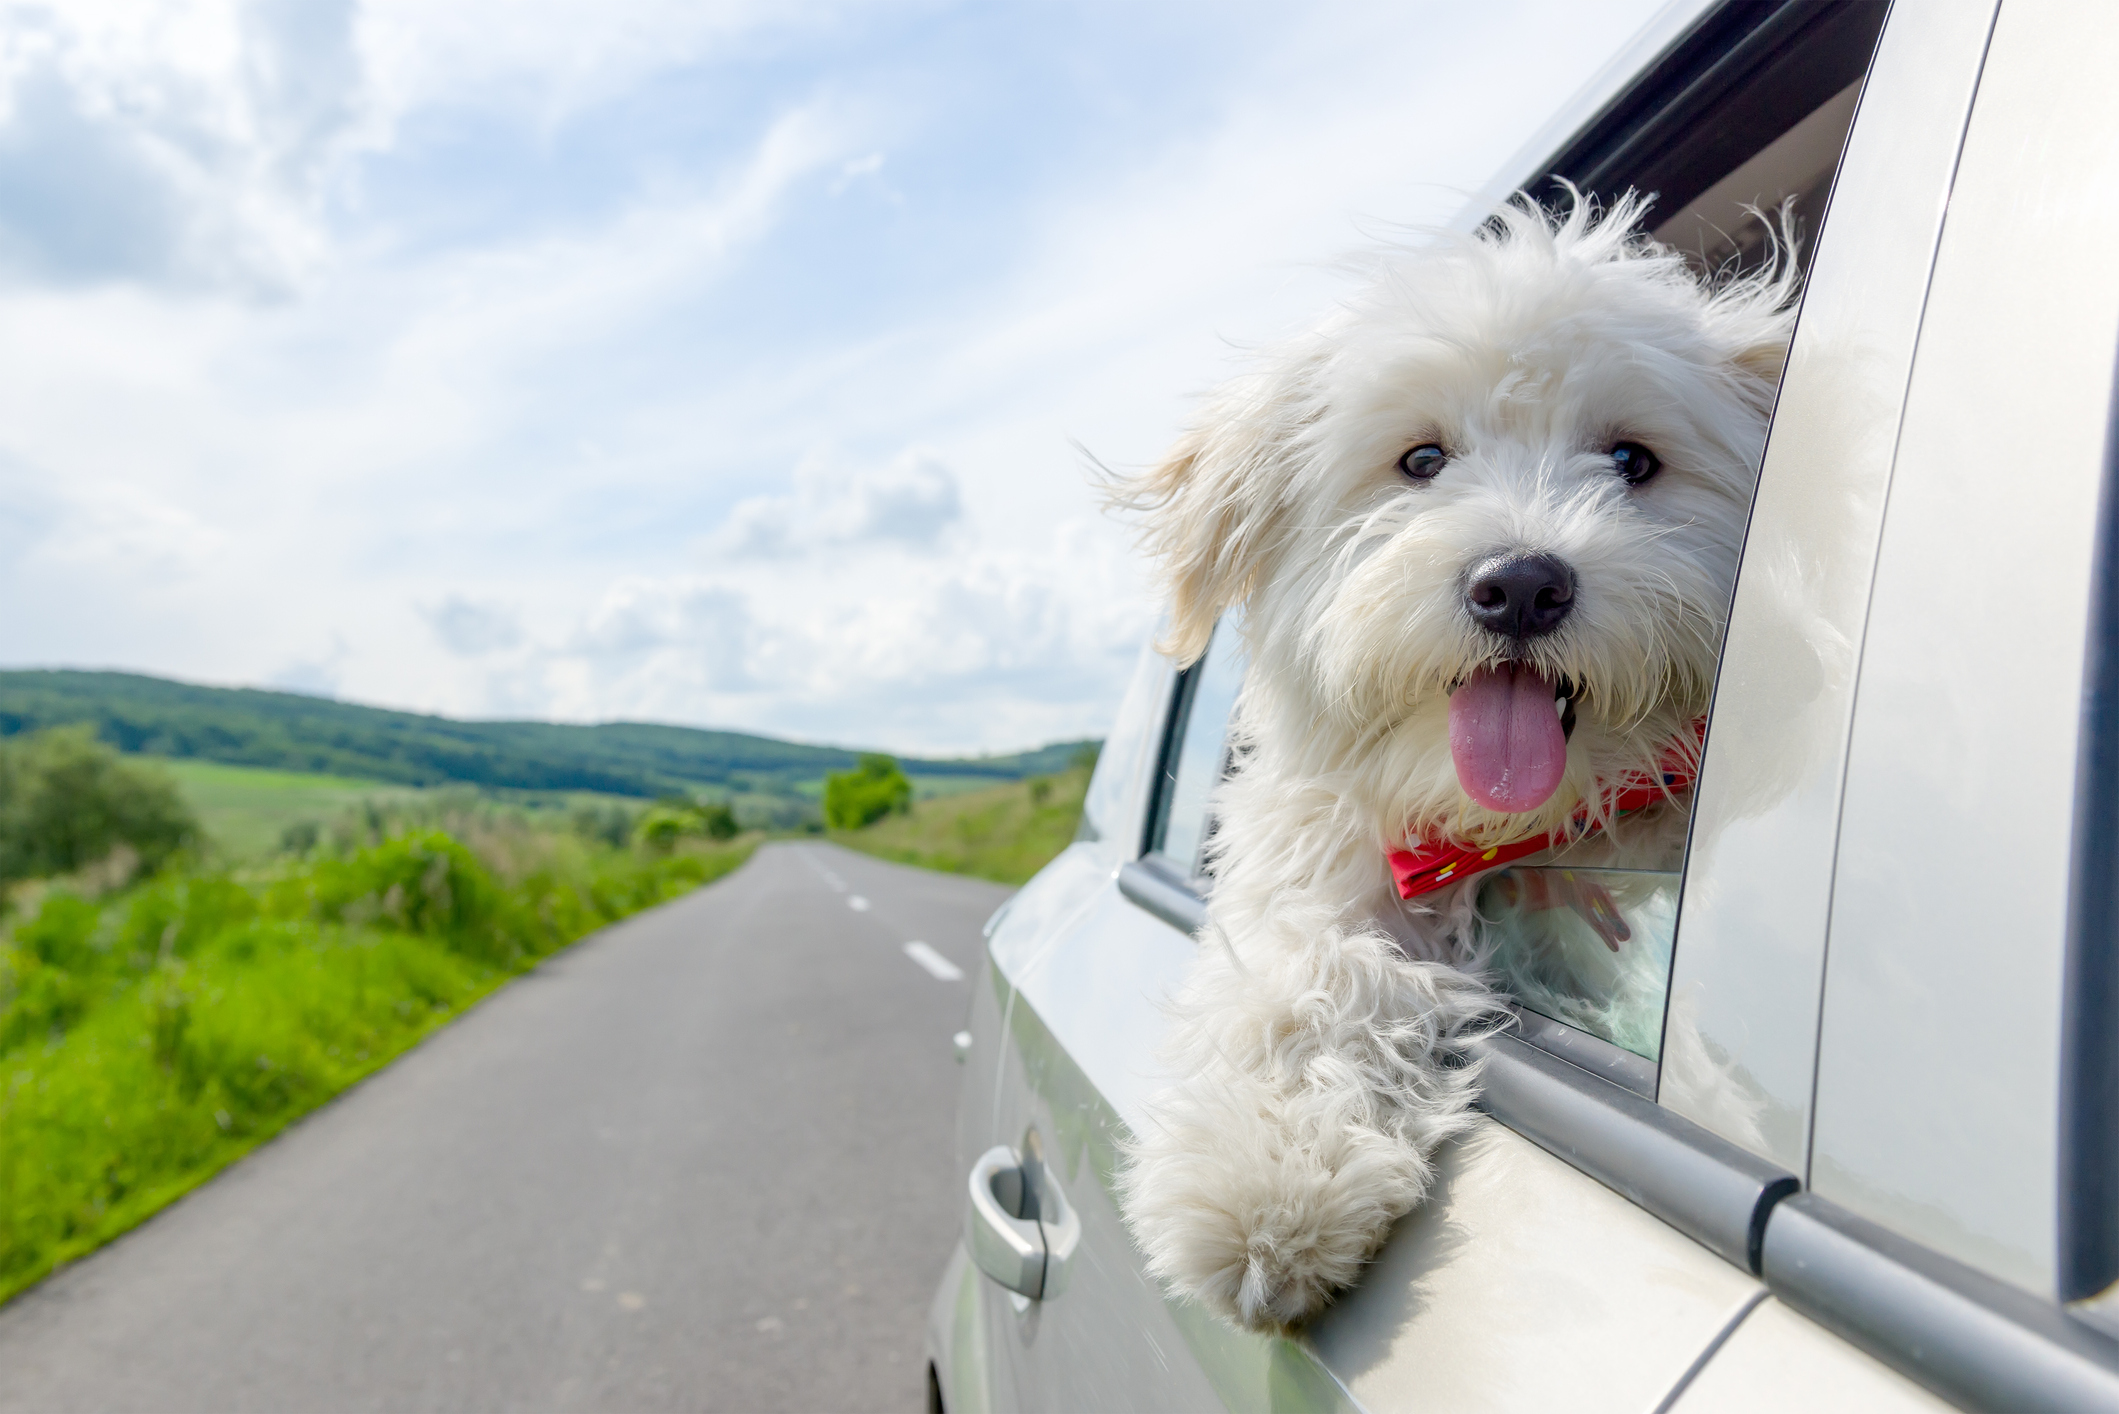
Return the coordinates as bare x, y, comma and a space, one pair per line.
1322, 1038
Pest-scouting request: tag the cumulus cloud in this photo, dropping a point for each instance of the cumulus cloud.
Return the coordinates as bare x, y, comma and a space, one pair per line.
188, 144
313, 677
984, 650
471, 629
708, 626
908, 503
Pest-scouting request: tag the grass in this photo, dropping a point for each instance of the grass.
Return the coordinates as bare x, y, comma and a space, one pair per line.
247, 809
150, 1037
1005, 833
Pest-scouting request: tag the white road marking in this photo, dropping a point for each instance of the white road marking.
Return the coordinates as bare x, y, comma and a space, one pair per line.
940, 967
857, 904
838, 885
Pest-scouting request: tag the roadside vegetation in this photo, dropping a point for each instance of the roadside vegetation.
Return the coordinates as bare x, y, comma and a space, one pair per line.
166, 1004
866, 794
1005, 833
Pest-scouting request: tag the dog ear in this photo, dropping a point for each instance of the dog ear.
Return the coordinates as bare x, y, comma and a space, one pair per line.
1766, 358
1215, 508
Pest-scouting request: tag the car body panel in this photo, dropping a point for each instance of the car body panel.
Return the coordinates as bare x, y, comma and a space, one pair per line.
1939, 1069
1777, 1361
1741, 1043
1521, 1285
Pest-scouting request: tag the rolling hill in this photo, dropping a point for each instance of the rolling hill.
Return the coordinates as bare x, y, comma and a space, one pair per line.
291, 732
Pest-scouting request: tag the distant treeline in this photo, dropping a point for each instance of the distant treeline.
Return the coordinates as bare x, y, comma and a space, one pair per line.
291, 732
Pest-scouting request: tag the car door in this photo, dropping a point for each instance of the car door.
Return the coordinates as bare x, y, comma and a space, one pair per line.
1960, 1215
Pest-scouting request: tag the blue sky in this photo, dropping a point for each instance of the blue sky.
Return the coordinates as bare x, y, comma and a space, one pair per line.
716, 363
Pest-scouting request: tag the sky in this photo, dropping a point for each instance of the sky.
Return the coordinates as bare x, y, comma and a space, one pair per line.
713, 362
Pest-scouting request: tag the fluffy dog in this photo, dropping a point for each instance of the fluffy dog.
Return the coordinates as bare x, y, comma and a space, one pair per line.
1482, 523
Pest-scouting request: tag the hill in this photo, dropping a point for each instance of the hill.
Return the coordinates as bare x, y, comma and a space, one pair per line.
290, 732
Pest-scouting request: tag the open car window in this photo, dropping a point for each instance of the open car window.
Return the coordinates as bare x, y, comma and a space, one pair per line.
1752, 122
1749, 112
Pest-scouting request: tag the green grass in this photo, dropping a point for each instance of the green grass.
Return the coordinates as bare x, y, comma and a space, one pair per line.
151, 1037
246, 809
1004, 833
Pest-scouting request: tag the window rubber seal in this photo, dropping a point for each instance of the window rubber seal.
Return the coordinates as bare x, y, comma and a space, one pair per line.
1698, 1182
1977, 1341
1152, 884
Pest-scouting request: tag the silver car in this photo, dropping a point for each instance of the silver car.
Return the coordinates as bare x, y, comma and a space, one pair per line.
1843, 1133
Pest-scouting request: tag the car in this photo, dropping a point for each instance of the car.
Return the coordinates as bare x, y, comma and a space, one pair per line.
1844, 1134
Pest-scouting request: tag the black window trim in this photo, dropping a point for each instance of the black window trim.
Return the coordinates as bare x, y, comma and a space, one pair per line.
1177, 718
1651, 136
2088, 1259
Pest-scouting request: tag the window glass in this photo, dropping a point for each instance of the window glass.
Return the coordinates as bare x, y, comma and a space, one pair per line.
1119, 765
1741, 116
1199, 747
1588, 947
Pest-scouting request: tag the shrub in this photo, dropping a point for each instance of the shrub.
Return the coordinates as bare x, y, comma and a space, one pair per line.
866, 794
424, 883
67, 801
672, 818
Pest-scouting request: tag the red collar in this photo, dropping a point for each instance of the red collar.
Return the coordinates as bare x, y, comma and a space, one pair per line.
1422, 868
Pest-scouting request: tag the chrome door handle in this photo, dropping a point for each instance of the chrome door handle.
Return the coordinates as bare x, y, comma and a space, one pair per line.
1008, 1248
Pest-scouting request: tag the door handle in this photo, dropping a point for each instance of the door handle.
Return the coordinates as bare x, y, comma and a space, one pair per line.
1006, 1246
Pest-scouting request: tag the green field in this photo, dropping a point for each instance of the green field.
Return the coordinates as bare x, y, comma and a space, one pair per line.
246, 809
1004, 833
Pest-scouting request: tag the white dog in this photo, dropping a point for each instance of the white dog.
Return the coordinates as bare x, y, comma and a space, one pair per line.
1482, 523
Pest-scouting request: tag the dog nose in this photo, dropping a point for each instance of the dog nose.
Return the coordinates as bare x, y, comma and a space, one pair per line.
1520, 596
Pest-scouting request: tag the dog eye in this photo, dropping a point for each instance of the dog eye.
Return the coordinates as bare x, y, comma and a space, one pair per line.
1423, 461
1635, 462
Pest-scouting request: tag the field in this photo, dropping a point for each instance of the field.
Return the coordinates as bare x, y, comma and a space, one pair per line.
1004, 833
247, 809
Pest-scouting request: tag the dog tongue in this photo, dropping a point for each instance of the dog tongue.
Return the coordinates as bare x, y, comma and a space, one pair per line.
1504, 733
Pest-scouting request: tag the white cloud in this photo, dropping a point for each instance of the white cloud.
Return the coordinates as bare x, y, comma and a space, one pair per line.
908, 503
470, 629
191, 143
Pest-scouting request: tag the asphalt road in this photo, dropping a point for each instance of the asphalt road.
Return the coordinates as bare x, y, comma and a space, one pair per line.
701, 1161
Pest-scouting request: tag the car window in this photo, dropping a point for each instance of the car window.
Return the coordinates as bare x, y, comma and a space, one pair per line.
1122, 760
1589, 947
1197, 754
1586, 946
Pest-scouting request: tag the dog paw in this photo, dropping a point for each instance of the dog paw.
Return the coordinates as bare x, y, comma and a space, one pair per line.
1265, 1239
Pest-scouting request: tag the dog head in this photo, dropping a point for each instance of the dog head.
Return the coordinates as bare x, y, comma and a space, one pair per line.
1484, 519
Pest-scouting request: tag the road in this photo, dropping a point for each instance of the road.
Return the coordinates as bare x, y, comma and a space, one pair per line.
700, 1161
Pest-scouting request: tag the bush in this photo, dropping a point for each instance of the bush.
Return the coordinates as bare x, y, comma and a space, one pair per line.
67, 801
866, 794
674, 817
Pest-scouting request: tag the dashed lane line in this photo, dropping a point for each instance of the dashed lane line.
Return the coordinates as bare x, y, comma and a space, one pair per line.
939, 967
838, 885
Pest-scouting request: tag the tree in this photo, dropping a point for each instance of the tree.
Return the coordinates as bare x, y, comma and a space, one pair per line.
866, 794
68, 801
